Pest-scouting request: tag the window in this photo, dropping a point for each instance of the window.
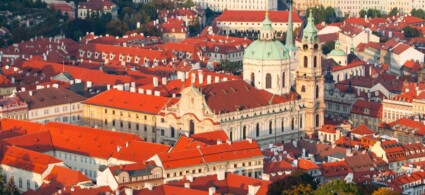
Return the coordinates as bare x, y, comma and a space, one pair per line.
317, 120
305, 61
283, 125
270, 127
244, 132
303, 88
162, 132
317, 91
257, 130
292, 124
315, 61
283, 79
172, 132
252, 79
268, 81
301, 122
20, 183
28, 184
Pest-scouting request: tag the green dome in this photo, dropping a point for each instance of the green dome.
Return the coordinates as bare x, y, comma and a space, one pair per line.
337, 52
266, 50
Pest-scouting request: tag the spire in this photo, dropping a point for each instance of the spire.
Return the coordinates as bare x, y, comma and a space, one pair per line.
267, 32
329, 78
289, 33
310, 31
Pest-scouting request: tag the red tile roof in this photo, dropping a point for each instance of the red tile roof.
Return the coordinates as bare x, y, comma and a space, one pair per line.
210, 154
139, 151
400, 48
256, 16
335, 169
210, 137
328, 129
131, 101
219, 96
367, 108
307, 165
362, 130
26, 159
169, 189
66, 177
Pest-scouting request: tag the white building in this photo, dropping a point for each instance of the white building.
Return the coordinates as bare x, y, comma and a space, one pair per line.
220, 5
53, 104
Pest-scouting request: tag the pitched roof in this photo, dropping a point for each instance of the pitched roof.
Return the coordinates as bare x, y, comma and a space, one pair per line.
367, 108
47, 97
328, 129
334, 169
210, 137
362, 130
26, 159
256, 16
66, 177
219, 96
139, 151
307, 165
210, 153
131, 101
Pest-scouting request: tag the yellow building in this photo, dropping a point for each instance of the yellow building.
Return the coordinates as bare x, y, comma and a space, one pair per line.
125, 111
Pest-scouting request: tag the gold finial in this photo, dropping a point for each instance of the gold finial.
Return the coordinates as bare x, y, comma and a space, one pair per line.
267, 7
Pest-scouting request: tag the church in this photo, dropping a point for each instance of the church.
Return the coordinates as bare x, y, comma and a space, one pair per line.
277, 101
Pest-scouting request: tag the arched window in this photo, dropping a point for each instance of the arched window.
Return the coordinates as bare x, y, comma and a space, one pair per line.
315, 61
231, 135
268, 81
301, 122
283, 79
317, 120
244, 132
270, 127
292, 124
305, 61
191, 127
257, 130
282, 125
317, 91
252, 79
303, 88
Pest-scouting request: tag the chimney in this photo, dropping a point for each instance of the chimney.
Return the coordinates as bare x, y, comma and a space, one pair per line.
217, 79
155, 81
209, 78
148, 186
348, 152
22, 89
229, 142
189, 177
55, 85
187, 185
249, 139
211, 190
265, 177
221, 175
294, 143
201, 77
31, 93
89, 84
252, 190
128, 191
219, 142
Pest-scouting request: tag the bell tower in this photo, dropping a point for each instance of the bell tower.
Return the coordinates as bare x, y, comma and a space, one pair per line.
309, 78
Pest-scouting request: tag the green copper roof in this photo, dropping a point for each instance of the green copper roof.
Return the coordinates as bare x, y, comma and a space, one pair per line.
289, 33
310, 31
337, 51
266, 50
267, 24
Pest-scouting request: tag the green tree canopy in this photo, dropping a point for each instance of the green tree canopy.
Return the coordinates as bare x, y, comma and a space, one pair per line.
410, 32
393, 12
287, 184
339, 187
384, 191
11, 188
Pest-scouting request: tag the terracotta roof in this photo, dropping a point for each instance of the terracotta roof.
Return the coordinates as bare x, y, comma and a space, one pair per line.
393, 151
362, 130
231, 184
210, 137
131, 101
278, 166
328, 129
66, 177
360, 163
335, 169
219, 96
26, 159
169, 189
98, 5
47, 97
139, 151
400, 48
256, 16
210, 154
367, 108
307, 165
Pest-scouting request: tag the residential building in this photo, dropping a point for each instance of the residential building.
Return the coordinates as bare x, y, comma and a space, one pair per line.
125, 111
53, 104
249, 23
220, 6
405, 130
87, 9
14, 108
367, 113
329, 133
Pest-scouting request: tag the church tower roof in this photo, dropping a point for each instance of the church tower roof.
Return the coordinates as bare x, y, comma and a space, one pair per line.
290, 32
310, 31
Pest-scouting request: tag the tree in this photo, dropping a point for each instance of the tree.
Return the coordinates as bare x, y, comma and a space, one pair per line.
393, 12
328, 47
362, 13
11, 187
410, 32
299, 189
117, 27
384, 191
188, 4
339, 187
295, 179
420, 13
